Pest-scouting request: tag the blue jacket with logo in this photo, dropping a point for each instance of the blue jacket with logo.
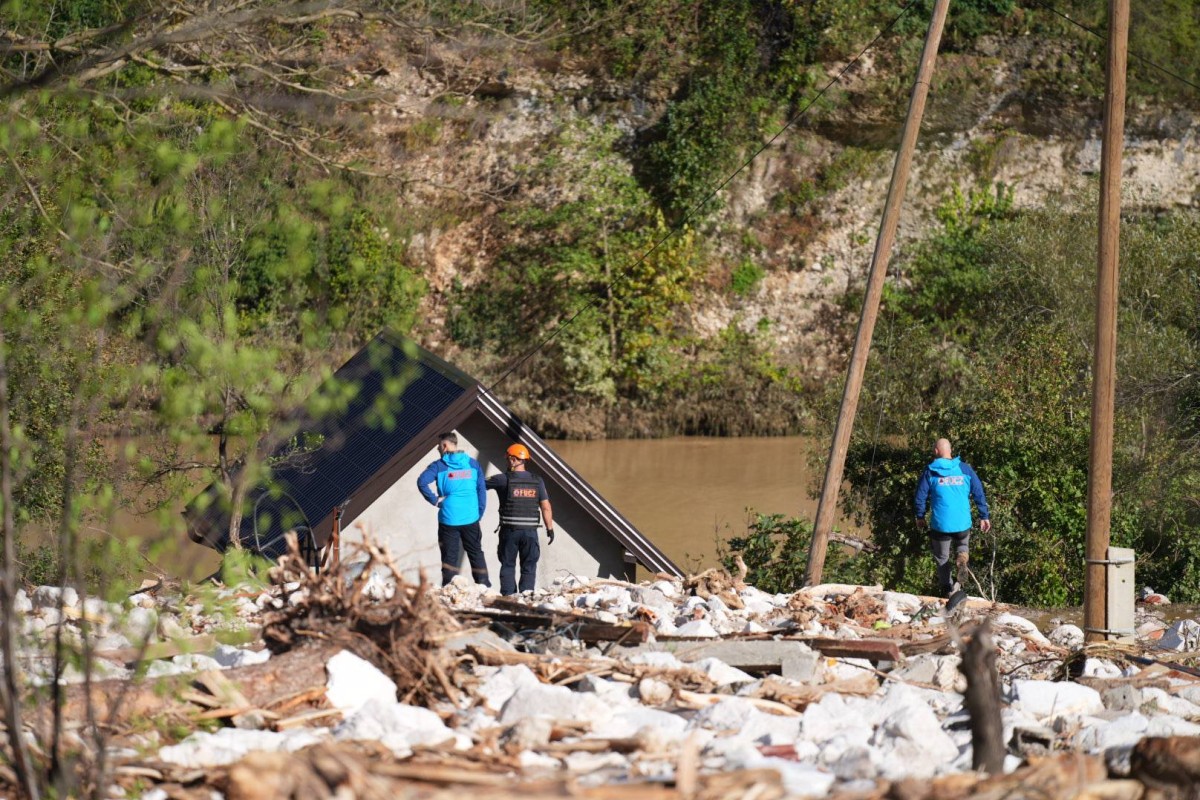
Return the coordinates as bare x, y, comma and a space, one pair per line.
949, 485
459, 482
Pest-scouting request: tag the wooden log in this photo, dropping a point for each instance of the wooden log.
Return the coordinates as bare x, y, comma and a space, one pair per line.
116, 702
982, 700
1170, 765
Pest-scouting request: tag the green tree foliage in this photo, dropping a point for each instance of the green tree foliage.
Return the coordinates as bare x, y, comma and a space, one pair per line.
600, 277
992, 348
180, 259
603, 259
775, 548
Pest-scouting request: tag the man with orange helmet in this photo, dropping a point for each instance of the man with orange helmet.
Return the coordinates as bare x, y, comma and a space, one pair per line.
524, 504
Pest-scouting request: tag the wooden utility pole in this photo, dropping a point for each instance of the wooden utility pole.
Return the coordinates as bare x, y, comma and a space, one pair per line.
870, 309
1099, 510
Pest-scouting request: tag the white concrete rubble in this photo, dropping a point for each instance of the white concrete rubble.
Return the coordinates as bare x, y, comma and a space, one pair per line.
912, 726
353, 682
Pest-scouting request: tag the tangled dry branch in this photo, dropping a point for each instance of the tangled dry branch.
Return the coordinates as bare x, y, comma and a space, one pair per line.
376, 614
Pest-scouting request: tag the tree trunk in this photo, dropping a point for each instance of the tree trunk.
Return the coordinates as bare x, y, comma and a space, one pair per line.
11, 698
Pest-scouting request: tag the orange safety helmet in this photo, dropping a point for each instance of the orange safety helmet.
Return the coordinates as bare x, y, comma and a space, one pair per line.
519, 451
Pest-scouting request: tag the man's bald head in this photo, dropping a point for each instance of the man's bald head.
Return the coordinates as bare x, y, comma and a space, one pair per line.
941, 448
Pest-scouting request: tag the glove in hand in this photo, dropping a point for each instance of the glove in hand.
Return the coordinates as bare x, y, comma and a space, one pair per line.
550, 535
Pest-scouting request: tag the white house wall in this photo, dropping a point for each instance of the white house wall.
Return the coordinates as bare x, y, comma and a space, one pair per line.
407, 524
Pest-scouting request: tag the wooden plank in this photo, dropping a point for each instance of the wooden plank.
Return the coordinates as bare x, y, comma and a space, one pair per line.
919, 646
304, 718
870, 649
577, 626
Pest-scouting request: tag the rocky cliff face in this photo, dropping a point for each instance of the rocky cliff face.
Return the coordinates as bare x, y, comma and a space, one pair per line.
462, 126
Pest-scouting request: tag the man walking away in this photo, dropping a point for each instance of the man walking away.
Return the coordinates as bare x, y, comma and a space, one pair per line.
454, 484
949, 485
522, 496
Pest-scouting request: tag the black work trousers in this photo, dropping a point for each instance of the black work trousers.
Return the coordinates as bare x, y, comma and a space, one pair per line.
519, 543
452, 540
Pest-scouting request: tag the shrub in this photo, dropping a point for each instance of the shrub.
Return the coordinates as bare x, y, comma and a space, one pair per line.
775, 548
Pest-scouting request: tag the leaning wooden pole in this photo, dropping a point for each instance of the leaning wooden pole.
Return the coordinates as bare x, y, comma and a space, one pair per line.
870, 308
1099, 510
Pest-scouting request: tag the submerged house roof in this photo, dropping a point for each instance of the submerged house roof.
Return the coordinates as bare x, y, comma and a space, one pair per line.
404, 397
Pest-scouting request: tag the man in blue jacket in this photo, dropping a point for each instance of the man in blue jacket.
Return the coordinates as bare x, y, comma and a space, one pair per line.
948, 486
454, 484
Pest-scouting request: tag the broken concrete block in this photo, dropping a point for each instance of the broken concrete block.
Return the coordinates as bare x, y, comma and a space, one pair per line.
914, 735
140, 623
939, 671
1024, 626
1122, 698
528, 734
901, 602
52, 596
113, 641
836, 714
628, 722
1183, 634
657, 658
398, 726
841, 669
619, 694
740, 717
654, 692
856, 762
228, 745
653, 598
503, 684
1166, 703
228, 656
21, 602
1124, 731
667, 588
179, 665
1101, 668
1171, 726
353, 681
721, 673
1045, 699
697, 629
1189, 692
555, 605
555, 702
799, 780
1070, 636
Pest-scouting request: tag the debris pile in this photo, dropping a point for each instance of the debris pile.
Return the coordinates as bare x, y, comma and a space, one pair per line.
373, 613
703, 687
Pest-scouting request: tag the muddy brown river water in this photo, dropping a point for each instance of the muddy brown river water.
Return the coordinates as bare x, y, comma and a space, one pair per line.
686, 494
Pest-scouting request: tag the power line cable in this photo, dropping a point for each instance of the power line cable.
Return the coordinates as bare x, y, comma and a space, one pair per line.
1103, 37
698, 206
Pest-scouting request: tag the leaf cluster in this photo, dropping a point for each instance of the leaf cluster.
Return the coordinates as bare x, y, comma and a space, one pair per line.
990, 346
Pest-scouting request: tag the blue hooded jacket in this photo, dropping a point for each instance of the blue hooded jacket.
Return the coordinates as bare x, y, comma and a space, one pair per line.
459, 482
949, 485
